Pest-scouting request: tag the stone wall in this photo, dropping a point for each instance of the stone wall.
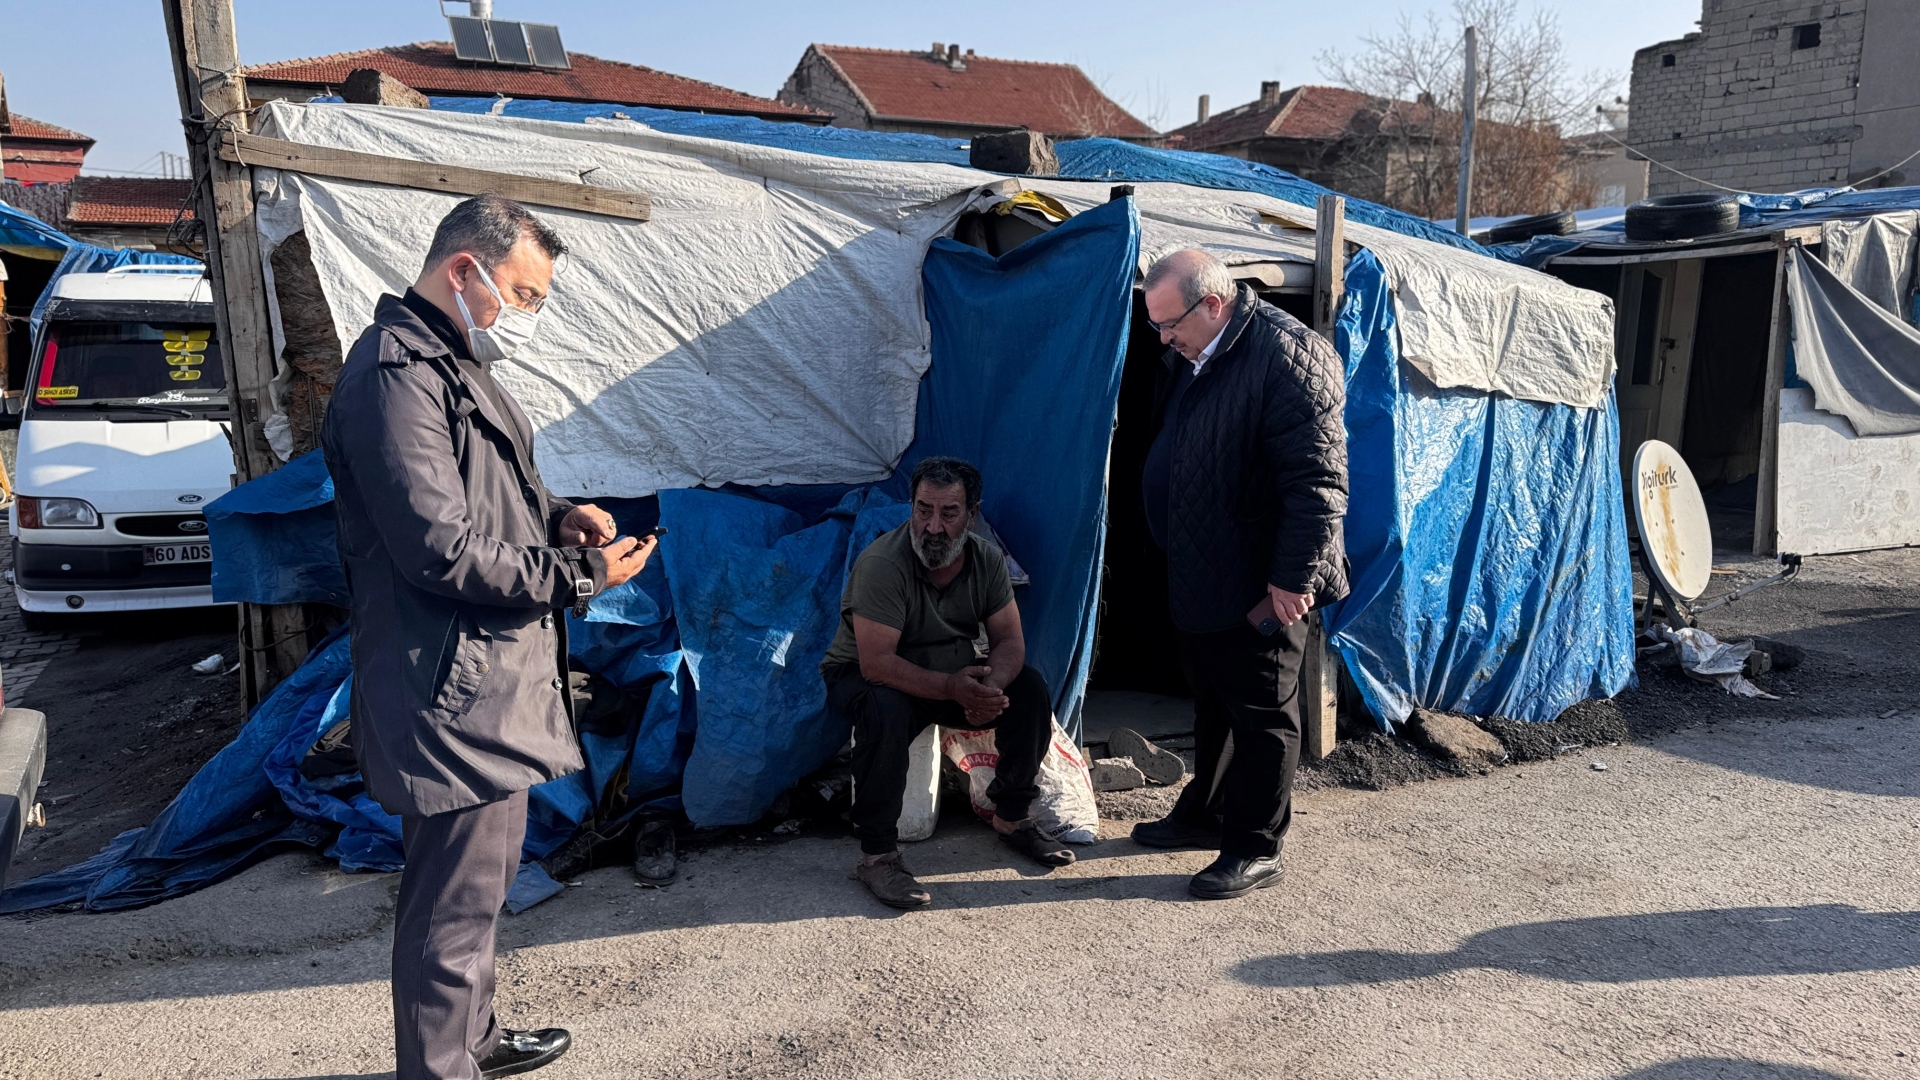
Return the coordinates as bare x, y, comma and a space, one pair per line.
1750, 101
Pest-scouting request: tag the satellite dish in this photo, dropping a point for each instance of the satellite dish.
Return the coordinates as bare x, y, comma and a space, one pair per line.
1675, 539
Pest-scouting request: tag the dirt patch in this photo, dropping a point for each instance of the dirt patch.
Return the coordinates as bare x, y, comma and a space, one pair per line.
128, 723
1588, 723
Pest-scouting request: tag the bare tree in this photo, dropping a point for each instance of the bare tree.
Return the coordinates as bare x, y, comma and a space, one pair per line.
1527, 98
1090, 110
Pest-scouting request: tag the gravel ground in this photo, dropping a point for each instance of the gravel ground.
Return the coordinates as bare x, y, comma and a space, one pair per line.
1729, 901
1730, 897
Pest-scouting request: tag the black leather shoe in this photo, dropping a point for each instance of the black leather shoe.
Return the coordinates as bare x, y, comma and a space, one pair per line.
524, 1051
1169, 832
1231, 876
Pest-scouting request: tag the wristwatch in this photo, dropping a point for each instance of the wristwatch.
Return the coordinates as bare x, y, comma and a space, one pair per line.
582, 592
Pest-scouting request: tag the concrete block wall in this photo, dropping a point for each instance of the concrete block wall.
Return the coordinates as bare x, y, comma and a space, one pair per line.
816, 81
1739, 105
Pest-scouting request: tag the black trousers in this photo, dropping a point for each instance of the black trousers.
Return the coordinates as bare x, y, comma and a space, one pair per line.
885, 723
1248, 687
459, 867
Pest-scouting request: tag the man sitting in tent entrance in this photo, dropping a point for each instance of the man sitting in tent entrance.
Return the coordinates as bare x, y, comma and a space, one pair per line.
904, 658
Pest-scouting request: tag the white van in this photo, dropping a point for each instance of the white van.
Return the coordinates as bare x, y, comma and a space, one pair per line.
124, 438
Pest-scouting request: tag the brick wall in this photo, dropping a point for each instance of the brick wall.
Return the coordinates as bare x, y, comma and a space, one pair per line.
817, 82
1739, 104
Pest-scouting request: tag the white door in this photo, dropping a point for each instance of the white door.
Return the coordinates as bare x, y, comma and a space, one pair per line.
1659, 305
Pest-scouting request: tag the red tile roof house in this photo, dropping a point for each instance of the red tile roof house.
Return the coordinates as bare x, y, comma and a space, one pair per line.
431, 68
945, 92
40, 153
126, 211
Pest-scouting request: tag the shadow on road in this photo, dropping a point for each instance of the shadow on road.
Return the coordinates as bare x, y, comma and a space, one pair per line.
1715, 943
1727, 1069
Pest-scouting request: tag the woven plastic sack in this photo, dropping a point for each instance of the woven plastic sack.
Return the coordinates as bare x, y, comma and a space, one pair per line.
1065, 809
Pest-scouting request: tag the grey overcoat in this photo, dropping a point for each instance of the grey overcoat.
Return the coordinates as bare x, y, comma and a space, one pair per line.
459, 682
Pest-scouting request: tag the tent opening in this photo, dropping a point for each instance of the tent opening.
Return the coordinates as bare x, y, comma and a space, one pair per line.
1135, 648
1691, 343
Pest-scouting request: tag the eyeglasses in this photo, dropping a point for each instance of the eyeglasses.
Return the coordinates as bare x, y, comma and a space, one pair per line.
1162, 328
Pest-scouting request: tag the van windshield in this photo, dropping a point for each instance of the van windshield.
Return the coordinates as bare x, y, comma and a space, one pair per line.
137, 366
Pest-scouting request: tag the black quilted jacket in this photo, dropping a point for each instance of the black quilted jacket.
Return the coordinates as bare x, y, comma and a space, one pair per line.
1259, 470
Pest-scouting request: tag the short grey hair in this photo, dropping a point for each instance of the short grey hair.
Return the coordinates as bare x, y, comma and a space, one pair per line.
487, 227
1197, 273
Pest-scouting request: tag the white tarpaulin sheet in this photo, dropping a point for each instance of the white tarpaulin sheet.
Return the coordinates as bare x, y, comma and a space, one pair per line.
1861, 360
766, 326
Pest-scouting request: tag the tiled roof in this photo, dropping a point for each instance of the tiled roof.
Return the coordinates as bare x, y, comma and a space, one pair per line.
431, 68
1057, 99
1304, 112
126, 200
26, 127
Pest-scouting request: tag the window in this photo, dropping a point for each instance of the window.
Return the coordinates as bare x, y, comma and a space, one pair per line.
1807, 36
130, 364
1666, 60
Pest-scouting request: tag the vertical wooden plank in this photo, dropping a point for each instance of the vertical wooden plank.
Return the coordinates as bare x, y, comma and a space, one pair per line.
1766, 501
213, 97
1319, 678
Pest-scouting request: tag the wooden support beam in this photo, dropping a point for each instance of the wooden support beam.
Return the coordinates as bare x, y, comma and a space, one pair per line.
213, 98
1319, 667
1766, 503
240, 148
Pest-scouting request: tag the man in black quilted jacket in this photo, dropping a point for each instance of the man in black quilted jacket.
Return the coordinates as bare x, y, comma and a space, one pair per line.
1245, 485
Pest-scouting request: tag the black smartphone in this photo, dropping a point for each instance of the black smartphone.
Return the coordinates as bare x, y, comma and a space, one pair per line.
657, 530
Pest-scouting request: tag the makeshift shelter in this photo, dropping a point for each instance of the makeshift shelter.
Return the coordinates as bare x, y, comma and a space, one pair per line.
1782, 359
759, 364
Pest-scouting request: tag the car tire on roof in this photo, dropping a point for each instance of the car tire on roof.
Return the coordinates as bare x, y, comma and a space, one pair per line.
1558, 223
1683, 217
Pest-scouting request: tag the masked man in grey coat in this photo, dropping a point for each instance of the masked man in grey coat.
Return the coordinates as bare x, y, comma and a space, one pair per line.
461, 568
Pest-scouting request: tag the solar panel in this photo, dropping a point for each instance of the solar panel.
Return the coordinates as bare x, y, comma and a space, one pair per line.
509, 43
470, 38
504, 41
544, 40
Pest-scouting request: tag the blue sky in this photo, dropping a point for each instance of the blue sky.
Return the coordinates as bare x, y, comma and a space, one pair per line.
100, 66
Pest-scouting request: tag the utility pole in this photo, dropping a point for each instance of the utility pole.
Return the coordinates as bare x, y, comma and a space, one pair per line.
213, 101
1470, 77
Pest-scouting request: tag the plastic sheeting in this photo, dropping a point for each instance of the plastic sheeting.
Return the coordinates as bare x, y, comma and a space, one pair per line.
274, 539
766, 326
1028, 353
1487, 537
1862, 361
225, 818
1080, 159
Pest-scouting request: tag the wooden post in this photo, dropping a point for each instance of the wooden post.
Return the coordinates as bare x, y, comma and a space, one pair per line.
1319, 673
213, 98
1766, 504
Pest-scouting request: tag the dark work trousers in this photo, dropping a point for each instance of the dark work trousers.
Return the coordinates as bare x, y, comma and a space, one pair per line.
459, 867
885, 723
1247, 686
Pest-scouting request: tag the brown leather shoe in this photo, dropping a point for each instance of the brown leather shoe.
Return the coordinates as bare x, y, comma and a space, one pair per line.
890, 882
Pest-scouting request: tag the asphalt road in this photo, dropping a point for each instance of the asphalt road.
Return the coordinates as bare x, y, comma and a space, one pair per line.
1735, 900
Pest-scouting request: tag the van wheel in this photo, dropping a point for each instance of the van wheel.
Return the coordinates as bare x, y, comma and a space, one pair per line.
44, 622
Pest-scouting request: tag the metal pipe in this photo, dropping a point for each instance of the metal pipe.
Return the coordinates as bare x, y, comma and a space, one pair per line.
1471, 71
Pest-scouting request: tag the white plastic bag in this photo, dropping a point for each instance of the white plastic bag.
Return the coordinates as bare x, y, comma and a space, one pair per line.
1065, 808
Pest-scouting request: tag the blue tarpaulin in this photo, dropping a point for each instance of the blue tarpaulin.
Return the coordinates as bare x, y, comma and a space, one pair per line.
1080, 159
1487, 536
273, 538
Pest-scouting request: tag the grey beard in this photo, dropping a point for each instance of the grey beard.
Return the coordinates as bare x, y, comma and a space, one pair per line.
936, 552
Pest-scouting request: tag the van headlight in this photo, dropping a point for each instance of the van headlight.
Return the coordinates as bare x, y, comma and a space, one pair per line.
43, 513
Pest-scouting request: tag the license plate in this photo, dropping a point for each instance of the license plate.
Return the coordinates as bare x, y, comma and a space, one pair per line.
173, 554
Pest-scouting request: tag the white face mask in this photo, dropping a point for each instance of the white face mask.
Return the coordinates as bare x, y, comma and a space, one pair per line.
512, 328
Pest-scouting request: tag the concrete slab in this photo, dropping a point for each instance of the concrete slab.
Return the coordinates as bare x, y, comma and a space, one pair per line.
23, 758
